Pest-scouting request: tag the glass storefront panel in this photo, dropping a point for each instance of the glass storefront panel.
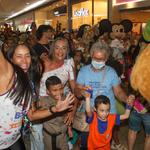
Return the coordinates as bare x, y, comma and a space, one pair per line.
82, 12
100, 10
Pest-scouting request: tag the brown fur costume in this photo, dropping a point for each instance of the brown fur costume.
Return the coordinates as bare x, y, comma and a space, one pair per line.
140, 76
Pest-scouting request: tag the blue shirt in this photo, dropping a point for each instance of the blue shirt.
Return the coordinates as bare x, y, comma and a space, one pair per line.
102, 83
102, 125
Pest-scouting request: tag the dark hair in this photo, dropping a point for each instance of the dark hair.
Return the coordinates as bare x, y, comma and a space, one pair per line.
41, 29
101, 99
53, 80
36, 68
81, 30
22, 92
79, 51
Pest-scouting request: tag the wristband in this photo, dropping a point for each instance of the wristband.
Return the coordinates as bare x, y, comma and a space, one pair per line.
128, 107
50, 109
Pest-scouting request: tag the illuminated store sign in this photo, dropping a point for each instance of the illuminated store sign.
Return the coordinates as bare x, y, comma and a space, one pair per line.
81, 12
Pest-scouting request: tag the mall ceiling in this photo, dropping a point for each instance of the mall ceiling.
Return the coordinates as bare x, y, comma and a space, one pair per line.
9, 7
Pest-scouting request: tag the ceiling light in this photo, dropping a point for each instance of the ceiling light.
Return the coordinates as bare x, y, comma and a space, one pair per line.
29, 7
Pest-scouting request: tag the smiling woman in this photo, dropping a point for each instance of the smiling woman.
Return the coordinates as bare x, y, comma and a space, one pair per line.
22, 57
59, 65
26, 58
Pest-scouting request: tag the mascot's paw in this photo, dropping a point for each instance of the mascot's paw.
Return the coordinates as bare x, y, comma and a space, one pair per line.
140, 76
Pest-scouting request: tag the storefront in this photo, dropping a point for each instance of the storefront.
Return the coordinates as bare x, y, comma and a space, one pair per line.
73, 14
23, 22
64, 14
88, 12
55, 14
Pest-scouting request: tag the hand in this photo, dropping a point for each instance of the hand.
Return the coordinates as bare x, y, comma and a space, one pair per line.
70, 132
69, 118
66, 104
130, 100
84, 91
87, 94
81, 87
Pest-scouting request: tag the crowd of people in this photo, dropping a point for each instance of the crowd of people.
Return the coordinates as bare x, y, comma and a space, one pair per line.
47, 77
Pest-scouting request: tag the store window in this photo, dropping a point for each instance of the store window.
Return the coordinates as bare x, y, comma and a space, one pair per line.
82, 12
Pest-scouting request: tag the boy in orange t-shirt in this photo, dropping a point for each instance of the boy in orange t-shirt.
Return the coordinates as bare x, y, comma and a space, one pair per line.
101, 122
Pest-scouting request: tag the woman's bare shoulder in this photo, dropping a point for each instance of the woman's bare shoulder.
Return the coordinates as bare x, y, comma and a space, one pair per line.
48, 65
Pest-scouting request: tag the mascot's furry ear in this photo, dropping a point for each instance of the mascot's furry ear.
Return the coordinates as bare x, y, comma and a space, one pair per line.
105, 26
82, 30
127, 24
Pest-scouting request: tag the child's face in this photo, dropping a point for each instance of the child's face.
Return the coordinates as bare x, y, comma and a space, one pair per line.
55, 91
77, 56
103, 111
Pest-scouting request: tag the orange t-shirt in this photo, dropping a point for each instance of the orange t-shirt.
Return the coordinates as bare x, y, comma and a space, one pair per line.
97, 140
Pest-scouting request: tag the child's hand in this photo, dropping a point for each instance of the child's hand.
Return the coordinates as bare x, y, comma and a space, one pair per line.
86, 94
66, 104
130, 100
70, 133
86, 91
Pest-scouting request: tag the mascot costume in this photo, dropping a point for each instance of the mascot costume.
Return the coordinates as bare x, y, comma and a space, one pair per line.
140, 75
114, 34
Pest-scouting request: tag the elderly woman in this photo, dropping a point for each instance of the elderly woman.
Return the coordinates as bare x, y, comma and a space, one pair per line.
100, 78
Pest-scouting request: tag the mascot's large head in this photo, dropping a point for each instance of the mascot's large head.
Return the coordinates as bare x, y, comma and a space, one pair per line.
116, 30
140, 76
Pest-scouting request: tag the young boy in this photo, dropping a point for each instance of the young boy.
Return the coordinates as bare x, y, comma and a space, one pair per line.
54, 128
101, 122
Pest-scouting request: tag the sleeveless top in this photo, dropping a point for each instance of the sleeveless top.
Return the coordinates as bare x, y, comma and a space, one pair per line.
97, 140
65, 73
10, 119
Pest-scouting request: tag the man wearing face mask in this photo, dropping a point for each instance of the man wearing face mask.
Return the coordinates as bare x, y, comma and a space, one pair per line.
100, 79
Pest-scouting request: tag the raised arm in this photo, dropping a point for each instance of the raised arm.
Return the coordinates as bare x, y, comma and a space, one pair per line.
88, 108
61, 106
6, 74
4, 63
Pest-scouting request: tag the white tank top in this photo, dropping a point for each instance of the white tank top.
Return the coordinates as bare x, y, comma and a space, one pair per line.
10, 121
65, 73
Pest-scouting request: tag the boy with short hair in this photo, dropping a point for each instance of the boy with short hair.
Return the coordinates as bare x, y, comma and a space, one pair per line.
101, 122
54, 128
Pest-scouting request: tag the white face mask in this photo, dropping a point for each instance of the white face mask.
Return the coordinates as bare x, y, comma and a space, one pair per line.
97, 65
